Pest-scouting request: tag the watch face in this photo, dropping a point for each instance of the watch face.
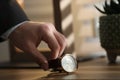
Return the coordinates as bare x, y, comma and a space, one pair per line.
69, 63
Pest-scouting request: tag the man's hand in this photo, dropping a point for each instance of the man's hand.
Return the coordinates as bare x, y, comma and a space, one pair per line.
29, 35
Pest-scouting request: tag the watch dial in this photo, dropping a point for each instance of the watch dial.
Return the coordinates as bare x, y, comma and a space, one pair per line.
69, 63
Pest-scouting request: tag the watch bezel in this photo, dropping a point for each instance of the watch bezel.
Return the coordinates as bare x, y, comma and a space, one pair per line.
75, 62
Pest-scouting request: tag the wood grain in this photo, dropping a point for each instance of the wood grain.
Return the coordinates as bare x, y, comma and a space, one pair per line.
97, 69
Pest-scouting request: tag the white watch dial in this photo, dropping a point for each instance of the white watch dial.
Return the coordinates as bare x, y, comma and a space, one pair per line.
69, 63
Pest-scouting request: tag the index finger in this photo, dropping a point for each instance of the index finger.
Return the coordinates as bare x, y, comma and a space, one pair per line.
53, 44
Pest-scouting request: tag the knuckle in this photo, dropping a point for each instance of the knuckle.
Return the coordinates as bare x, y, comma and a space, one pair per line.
51, 26
46, 28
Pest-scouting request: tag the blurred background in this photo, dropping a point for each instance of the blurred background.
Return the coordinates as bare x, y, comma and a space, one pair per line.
79, 22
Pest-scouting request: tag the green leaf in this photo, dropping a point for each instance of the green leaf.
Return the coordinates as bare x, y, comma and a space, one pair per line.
112, 8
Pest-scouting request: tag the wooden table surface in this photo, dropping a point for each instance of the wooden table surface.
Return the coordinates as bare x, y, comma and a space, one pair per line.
96, 69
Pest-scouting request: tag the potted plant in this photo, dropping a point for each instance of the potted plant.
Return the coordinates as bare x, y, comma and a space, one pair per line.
110, 29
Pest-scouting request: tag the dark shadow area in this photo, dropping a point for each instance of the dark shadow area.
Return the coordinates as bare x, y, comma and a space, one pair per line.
60, 76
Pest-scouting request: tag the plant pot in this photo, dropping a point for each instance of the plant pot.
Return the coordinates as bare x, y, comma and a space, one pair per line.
110, 36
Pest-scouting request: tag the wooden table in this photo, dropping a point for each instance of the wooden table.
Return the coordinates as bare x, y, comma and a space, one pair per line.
96, 69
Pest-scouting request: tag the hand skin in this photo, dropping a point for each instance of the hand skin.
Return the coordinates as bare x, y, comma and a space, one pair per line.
29, 35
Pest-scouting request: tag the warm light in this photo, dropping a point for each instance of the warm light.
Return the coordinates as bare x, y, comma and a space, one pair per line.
21, 2
67, 21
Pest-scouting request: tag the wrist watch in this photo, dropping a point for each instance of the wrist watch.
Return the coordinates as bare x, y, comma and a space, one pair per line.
67, 63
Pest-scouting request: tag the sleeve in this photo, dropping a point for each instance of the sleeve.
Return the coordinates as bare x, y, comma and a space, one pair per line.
11, 14
8, 32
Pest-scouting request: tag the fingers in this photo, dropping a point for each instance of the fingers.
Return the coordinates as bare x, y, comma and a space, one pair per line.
39, 58
62, 42
56, 42
53, 44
